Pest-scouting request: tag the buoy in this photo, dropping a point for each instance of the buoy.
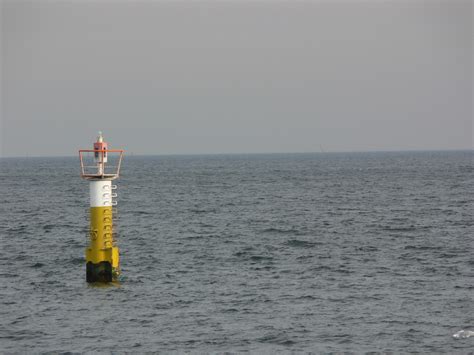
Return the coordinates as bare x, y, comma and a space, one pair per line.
102, 252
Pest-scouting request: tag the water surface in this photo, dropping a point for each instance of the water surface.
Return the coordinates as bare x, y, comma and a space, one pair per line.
260, 253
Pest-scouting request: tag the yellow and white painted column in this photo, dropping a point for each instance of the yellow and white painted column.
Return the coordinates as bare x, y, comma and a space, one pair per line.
102, 255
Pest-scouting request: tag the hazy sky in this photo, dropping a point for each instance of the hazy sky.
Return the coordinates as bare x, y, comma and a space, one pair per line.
161, 77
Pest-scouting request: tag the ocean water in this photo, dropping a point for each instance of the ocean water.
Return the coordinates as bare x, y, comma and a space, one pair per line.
245, 253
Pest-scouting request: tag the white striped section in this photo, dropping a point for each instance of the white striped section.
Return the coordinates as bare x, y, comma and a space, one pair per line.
101, 193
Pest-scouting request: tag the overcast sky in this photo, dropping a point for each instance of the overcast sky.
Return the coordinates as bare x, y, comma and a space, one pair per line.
166, 77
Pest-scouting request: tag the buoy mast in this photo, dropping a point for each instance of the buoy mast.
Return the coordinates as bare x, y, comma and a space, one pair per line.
102, 253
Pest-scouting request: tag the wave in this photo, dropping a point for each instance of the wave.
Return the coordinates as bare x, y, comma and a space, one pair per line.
273, 230
400, 229
300, 243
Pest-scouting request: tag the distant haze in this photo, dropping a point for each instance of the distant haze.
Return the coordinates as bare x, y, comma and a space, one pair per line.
178, 77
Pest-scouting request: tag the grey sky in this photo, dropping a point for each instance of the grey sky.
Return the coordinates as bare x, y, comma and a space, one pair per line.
160, 77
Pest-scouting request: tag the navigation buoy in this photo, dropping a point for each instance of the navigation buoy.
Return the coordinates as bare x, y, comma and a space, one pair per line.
100, 166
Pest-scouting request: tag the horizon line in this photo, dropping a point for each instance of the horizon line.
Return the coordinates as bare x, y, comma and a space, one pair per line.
129, 154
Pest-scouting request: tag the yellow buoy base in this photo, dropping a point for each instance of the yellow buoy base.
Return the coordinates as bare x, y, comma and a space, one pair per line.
110, 255
102, 257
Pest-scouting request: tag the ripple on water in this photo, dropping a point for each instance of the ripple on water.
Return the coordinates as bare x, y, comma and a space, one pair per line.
283, 231
301, 243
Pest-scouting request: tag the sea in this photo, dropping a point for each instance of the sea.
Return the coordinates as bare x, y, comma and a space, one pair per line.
258, 253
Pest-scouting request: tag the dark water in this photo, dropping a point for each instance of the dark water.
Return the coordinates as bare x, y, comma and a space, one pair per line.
260, 253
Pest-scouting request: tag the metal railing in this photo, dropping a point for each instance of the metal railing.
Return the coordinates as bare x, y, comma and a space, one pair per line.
94, 163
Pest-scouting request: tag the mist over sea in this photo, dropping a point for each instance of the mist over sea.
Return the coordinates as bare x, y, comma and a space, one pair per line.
261, 253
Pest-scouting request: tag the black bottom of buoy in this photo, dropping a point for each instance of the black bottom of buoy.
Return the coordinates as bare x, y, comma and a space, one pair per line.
101, 272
